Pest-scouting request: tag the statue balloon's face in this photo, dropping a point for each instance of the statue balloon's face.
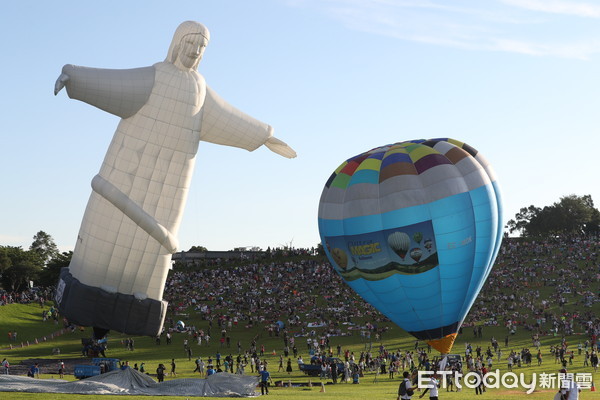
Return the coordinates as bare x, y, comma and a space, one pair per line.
191, 50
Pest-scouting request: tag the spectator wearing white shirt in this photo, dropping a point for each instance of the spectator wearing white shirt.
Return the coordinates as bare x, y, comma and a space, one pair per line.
569, 389
432, 387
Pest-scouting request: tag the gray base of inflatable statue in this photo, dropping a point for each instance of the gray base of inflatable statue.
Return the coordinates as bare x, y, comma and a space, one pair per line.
132, 382
91, 306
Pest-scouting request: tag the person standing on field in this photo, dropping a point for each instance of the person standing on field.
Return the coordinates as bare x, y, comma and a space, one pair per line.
432, 387
405, 391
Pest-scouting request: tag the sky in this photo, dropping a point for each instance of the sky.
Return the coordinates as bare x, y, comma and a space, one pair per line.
519, 80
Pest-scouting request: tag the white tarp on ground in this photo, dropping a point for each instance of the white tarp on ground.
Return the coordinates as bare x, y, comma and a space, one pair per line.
130, 381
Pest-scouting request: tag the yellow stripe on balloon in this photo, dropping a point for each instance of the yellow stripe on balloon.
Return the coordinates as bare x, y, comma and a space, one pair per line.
370, 163
421, 151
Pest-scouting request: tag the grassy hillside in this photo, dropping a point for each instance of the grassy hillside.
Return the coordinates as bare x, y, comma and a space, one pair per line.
495, 302
25, 319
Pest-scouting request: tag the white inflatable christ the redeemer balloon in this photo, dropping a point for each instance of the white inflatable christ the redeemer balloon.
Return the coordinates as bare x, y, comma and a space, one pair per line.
129, 230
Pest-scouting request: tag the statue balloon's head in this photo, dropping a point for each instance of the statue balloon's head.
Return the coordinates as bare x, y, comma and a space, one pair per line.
187, 47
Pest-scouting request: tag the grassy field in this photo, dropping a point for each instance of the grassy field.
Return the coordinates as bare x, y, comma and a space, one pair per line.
27, 321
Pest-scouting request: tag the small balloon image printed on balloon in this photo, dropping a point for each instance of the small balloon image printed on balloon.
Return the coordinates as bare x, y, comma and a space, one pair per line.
428, 244
340, 258
400, 243
417, 237
416, 254
422, 223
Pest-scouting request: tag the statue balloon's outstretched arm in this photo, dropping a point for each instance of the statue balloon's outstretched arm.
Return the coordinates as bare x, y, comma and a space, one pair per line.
60, 83
280, 147
224, 124
122, 92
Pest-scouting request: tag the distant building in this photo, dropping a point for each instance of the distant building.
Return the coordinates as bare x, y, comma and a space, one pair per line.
192, 258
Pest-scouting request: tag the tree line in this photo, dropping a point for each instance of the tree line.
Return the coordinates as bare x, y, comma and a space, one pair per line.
572, 215
40, 264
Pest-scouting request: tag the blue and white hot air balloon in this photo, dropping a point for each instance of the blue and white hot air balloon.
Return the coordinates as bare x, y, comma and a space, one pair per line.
414, 228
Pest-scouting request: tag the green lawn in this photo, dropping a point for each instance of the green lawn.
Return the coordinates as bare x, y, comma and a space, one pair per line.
27, 321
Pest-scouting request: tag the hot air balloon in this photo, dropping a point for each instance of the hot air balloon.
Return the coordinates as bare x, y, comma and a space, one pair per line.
416, 254
400, 243
390, 198
428, 244
417, 237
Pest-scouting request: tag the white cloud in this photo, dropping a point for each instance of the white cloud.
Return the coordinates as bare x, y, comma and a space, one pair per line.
558, 7
531, 27
580, 50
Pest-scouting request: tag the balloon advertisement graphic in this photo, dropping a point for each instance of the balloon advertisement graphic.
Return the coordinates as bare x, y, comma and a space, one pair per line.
419, 226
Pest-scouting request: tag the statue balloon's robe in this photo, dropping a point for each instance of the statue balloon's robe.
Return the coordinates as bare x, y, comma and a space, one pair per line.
123, 252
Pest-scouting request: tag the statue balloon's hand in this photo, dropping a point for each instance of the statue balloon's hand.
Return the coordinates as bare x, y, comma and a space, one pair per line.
280, 147
60, 82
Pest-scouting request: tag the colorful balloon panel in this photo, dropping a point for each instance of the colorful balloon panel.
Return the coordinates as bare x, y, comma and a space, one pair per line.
414, 228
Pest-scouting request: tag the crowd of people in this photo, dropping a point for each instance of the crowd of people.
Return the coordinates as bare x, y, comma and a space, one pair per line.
301, 296
306, 305
530, 278
29, 295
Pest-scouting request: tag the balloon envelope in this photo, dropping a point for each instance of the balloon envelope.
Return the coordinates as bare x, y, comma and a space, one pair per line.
420, 222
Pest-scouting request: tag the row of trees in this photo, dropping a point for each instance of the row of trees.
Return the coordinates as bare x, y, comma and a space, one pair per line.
571, 215
40, 264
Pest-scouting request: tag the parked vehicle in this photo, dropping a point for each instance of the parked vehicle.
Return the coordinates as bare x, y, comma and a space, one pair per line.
453, 360
98, 366
314, 368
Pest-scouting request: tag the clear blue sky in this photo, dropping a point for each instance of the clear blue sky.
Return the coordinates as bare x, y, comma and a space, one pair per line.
517, 79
